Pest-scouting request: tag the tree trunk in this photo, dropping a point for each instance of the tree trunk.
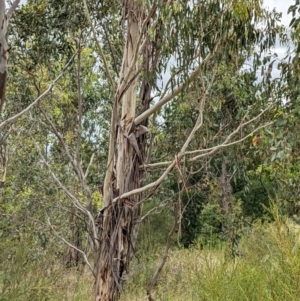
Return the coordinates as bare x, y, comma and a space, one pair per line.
3, 52
227, 189
73, 258
116, 219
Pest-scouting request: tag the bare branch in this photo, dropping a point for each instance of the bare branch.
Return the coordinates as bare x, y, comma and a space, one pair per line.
71, 197
72, 246
212, 150
175, 92
242, 125
151, 185
90, 163
166, 99
153, 165
12, 9
208, 152
38, 99
75, 163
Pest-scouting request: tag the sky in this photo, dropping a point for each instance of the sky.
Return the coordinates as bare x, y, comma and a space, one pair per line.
281, 6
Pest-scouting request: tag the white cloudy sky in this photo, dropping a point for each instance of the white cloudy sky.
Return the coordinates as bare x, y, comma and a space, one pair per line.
281, 6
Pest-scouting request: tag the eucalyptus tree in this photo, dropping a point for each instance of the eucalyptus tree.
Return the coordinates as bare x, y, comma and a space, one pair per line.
195, 36
149, 54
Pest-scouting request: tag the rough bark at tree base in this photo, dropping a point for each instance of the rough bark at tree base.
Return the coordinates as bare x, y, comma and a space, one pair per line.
116, 224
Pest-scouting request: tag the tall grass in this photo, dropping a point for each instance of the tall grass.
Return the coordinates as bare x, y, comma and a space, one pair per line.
268, 268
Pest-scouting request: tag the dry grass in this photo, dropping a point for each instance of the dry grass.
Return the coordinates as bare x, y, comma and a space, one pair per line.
269, 269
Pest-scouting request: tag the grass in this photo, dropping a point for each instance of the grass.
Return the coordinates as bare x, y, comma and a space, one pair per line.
268, 269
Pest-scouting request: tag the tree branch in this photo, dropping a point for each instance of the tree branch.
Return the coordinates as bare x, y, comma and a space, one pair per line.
242, 125
153, 165
88, 167
111, 81
71, 197
208, 152
172, 94
12, 9
79, 99
212, 150
72, 246
38, 99
74, 162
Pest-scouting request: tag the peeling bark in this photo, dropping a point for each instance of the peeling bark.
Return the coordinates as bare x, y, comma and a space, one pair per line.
116, 220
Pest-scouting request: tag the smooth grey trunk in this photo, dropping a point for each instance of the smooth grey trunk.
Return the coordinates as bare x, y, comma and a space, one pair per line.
4, 18
3, 52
